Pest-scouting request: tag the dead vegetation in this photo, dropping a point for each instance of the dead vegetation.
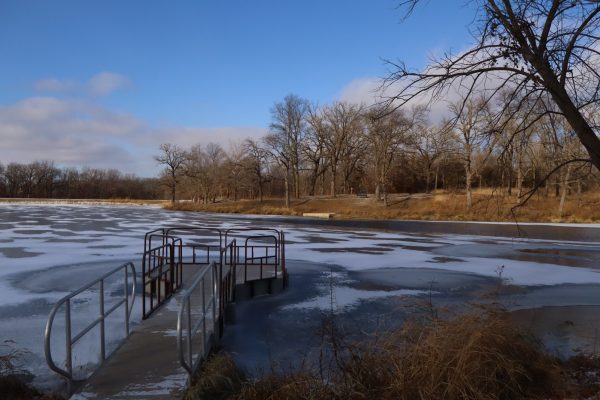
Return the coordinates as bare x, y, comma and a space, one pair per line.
487, 205
480, 355
12, 383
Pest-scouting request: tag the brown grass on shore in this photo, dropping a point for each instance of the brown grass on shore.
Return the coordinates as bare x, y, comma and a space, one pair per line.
488, 205
482, 355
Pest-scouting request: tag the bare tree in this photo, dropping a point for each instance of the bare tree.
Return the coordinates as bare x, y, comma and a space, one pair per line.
432, 144
256, 164
543, 51
197, 171
173, 158
344, 124
471, 133
313, 147
287, 128
385, 135
235, 168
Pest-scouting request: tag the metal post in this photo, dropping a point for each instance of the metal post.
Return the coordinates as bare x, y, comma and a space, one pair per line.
126, 296
203, 318
69, 356
102, 338
172, 270
214, 296
189, 324
143, 287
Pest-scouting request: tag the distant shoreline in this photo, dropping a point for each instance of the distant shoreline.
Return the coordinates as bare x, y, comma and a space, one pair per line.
88, 202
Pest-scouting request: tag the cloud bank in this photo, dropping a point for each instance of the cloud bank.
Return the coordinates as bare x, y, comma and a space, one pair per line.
78, 132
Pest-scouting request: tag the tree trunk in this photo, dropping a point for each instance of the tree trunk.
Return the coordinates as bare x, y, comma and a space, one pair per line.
578, 122
297, 182
564, 189
333, 178
519, 177
287, 188
468, 177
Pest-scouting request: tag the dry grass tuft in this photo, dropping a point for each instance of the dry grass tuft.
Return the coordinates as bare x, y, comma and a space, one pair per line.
218, 378
476, 356
482, 355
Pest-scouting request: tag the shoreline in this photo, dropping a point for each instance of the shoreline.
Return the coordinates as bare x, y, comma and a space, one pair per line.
337, 220
83, 202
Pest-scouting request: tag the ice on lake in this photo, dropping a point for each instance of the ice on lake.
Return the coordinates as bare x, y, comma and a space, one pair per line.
48, 250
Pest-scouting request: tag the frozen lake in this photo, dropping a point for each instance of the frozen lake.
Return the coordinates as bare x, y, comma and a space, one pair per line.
373, 267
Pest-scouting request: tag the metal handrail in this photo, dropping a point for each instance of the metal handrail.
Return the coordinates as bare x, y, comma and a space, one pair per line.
190, 366
280, 235
70, 340
167, 258
266, 257
218, 292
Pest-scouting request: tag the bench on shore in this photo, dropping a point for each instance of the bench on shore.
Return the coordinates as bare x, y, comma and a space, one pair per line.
362, 195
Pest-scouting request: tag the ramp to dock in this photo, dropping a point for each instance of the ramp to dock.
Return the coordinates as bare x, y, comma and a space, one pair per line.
146, 366
179, 327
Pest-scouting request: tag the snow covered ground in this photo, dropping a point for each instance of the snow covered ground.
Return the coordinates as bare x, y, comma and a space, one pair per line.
48, 250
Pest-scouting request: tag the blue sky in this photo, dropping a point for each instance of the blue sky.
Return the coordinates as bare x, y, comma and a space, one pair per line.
104, 82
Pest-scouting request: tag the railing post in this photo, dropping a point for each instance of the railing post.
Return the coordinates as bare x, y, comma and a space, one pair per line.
144, 286
102, 322
172, 269
203, 318
69, 355
214, 296
126, 297
189, 325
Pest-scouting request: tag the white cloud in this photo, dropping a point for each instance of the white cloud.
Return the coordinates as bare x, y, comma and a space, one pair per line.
105, 83
54, 85
80, 133
362, 91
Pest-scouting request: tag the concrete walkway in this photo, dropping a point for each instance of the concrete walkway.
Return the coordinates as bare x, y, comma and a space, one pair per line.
146, 365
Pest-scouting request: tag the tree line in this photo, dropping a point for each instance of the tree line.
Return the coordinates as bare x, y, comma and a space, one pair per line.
43, 179
345, 148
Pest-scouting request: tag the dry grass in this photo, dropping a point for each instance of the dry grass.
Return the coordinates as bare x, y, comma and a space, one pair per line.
13, 388
482, 355
488, 205
218, 378
12, 385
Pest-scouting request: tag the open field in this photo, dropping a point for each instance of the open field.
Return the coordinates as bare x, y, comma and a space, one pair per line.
488, 205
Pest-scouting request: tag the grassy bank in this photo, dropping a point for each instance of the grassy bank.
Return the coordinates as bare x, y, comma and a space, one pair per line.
481, 355
442, 206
